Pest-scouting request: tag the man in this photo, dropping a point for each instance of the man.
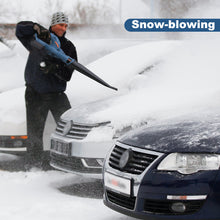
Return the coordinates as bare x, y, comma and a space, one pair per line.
46, 80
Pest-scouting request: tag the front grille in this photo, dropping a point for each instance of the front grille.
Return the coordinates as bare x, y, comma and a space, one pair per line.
164, 207
77, 131
71, 164
118, 199
139, 162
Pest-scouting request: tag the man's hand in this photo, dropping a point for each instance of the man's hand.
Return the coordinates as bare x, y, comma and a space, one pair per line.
42, 33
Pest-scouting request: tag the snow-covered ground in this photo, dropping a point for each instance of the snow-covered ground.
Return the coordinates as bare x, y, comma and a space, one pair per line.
52, 195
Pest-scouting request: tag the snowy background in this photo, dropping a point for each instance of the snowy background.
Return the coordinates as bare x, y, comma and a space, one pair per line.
193, 71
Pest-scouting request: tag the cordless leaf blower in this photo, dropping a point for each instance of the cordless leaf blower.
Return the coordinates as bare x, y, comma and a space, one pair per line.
53, 49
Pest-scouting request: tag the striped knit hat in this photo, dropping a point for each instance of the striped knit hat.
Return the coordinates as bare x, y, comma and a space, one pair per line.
58, 18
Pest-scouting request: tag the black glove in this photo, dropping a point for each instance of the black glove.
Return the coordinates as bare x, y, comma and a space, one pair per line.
42, 33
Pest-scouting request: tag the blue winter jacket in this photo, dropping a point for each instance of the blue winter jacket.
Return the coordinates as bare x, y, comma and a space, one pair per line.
34, 76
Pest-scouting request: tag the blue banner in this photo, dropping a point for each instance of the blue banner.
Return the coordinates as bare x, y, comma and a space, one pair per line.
172, 25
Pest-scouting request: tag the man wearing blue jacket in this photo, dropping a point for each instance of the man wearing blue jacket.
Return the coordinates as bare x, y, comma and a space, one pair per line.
46, 80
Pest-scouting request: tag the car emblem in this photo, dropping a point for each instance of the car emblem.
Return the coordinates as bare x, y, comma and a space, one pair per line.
67, 127
125, 158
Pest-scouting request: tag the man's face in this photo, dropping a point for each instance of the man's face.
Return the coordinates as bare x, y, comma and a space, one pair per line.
59, 29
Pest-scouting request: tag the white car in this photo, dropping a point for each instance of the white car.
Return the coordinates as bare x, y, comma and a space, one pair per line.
85, 133
13, 135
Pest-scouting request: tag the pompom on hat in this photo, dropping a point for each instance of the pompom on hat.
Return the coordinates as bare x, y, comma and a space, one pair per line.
58, 18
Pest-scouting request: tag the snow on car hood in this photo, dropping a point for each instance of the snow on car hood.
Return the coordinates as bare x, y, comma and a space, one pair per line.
82, 114
189, 135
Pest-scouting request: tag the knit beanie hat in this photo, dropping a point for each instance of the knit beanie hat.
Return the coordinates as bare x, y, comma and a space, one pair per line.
58, 18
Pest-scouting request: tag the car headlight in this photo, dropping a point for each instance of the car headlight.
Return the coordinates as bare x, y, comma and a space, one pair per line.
188, 163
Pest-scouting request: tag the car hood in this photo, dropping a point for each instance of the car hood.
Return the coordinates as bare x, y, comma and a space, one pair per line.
82, 114
109, 111
187, 136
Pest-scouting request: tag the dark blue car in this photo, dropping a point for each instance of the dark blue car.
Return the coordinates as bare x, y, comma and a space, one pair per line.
167, 171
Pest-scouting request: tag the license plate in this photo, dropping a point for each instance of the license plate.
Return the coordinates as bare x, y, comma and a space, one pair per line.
60, 147
117, 183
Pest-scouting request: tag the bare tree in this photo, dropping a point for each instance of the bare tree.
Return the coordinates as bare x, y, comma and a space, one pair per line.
5, 12
93, 12
50, 7
173, 8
